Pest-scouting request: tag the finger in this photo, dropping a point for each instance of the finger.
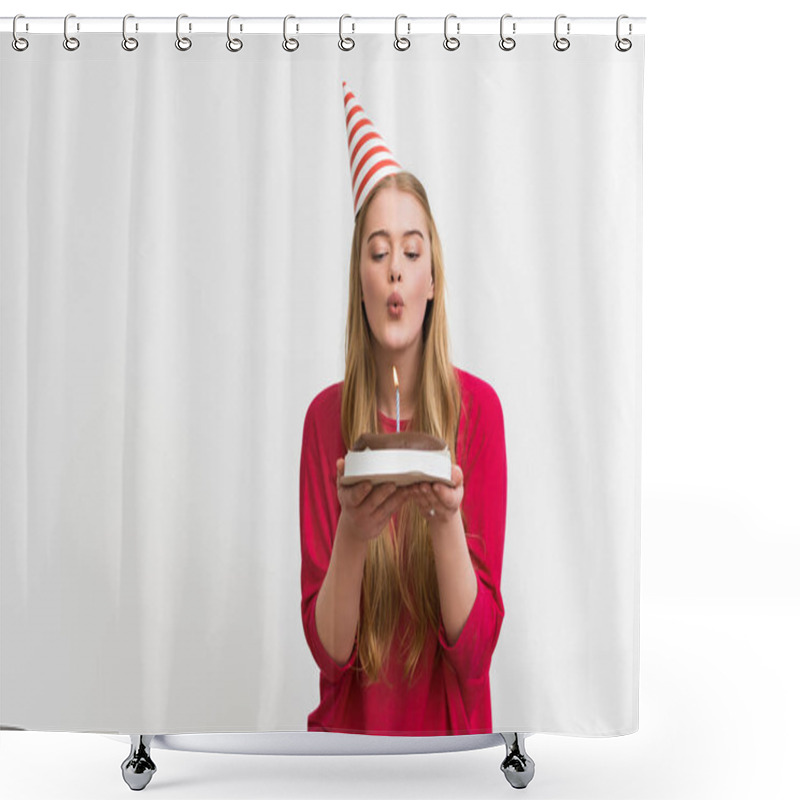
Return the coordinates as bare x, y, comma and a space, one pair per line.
339, 473
444, 496
379, 496
433, 496
391, 502
358, 493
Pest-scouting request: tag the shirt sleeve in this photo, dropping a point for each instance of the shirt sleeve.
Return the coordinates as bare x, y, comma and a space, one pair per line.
484, 512
319, 517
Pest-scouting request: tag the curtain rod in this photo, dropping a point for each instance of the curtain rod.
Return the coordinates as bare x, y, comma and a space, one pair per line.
328, 25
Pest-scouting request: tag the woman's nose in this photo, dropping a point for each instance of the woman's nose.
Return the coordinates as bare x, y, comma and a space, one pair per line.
394, 269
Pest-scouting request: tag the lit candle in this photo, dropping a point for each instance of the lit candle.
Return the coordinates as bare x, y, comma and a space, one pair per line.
396, 397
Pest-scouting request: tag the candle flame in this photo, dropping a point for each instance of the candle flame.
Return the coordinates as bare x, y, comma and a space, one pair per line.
396, 382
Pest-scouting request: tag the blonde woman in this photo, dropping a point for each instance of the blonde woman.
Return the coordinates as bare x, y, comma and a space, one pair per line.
401, 601
402, 608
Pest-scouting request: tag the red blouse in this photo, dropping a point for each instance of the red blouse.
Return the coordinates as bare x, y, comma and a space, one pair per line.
450, 696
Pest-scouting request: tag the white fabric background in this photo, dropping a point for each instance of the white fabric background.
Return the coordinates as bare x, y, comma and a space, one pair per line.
175, 238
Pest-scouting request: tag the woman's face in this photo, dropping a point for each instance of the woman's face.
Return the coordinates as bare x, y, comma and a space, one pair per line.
396, 272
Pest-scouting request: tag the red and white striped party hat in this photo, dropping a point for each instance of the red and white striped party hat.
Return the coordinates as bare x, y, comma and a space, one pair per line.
370, 158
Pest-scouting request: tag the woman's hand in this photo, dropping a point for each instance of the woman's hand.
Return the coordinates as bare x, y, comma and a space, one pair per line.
440, 498
367, 509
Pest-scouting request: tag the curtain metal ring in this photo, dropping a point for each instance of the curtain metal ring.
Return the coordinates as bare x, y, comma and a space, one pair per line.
70, 42
181, 42
289, 44
451, 42
18, 43
401, 42
234, 45
561, 43
128, 42
623, 45
346, 43
506, 42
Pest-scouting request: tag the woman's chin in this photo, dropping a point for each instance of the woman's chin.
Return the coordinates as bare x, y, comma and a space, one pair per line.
393, 343
394, 337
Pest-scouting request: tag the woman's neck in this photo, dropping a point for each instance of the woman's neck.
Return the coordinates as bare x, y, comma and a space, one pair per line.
407, 365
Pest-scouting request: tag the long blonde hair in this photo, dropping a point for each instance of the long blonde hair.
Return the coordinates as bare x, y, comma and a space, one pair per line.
399, 569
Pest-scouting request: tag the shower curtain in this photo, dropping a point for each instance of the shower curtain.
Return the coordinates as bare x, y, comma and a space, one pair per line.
175, 295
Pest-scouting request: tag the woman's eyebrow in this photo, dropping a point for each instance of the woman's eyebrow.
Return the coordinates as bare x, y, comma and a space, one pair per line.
386, 234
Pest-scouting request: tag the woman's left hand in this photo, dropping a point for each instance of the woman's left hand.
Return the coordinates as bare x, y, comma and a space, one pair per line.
440, 498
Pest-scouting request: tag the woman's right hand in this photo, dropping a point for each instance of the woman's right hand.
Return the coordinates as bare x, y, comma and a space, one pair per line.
367, 509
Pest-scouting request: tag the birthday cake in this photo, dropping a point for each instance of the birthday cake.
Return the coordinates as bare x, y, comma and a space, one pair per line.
401, 458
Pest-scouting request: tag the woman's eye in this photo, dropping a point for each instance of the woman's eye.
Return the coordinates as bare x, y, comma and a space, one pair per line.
381, 256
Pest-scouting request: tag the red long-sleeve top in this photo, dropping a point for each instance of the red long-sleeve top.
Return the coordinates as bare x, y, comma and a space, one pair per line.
448, 696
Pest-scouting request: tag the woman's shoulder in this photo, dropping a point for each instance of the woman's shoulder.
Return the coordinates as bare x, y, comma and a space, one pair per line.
481, 421
322, 428
477, 392
327, 403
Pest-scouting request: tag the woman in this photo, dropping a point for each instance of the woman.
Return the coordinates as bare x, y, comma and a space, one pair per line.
401, 600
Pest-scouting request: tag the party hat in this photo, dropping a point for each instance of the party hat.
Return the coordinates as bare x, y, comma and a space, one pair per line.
370, 158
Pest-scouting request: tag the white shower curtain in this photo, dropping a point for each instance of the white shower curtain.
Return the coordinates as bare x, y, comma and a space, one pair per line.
176, 231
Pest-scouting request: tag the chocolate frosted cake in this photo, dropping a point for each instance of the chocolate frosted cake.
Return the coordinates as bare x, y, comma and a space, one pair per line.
405, 440
400, 458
